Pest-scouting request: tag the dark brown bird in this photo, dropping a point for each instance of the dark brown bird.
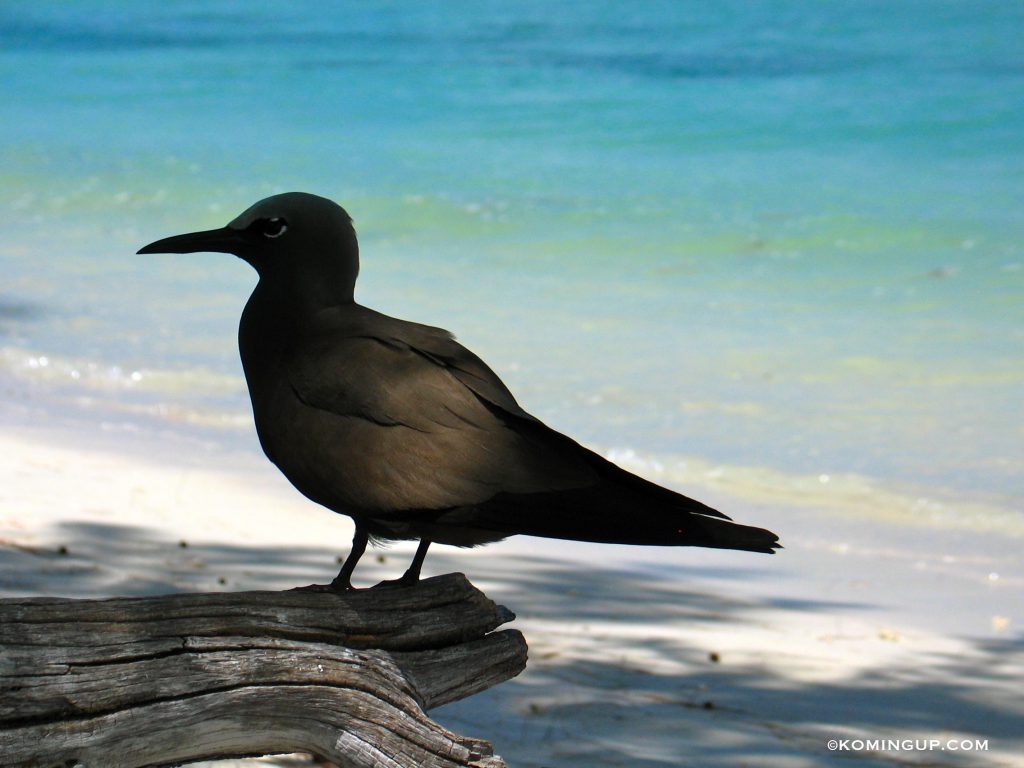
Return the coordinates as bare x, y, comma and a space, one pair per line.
403, 429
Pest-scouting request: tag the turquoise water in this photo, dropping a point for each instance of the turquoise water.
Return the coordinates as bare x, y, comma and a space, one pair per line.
774, 237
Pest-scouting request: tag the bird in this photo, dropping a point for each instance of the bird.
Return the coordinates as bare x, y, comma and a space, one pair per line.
403, 429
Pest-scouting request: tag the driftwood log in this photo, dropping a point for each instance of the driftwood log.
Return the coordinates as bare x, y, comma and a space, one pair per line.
166, 680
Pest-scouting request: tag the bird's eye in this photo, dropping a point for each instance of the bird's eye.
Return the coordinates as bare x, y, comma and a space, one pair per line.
273, 227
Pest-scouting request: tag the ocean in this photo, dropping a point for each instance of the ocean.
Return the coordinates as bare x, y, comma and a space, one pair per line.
772, 247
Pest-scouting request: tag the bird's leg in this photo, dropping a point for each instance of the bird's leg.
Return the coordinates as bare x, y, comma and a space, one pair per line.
412, 573
343, 581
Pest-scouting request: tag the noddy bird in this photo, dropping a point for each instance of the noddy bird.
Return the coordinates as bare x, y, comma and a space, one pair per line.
405, 430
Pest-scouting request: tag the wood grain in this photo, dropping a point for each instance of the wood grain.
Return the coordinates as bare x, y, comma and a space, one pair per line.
131, 682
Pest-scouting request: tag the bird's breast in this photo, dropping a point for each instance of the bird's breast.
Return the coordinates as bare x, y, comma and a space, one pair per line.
263, 340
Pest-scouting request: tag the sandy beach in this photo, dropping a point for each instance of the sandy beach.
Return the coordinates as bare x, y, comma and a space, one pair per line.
638, 657
764, 254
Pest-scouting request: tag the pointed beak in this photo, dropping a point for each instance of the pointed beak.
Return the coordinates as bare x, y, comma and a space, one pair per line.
224, 240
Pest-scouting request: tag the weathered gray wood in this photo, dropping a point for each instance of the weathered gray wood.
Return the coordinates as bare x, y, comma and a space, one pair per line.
132, 682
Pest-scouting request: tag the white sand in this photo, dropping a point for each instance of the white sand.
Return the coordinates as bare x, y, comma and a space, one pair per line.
854, 631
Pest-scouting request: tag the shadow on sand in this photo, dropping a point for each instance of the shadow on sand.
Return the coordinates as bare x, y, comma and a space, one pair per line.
621, 672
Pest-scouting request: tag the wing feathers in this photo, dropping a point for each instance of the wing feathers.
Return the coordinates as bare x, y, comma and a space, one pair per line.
439, 429
407, 420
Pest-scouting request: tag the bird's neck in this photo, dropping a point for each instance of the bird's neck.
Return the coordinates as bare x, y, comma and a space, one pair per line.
307, 294
275, 319
275, 315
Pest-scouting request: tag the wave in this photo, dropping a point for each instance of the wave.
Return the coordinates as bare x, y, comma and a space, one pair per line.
193, 396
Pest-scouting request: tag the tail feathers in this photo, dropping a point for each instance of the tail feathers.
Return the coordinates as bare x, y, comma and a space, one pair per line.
618, 508
720, 534
613, 515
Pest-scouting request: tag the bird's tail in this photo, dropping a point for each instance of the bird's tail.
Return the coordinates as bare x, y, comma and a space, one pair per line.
614, 514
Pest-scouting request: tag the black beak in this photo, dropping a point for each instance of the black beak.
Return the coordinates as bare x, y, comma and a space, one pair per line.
224, 240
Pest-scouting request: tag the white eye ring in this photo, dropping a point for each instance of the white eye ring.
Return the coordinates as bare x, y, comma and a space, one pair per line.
272, 222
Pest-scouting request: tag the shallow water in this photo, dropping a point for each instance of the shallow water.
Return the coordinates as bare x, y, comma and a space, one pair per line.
778, 240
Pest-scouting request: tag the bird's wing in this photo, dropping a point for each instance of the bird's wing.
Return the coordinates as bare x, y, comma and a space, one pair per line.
407, 418
440, 347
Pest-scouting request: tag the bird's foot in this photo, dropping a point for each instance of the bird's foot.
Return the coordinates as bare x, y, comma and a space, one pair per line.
332, 587
405, 581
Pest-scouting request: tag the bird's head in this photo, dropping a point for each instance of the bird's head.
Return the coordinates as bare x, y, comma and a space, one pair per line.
294, 239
